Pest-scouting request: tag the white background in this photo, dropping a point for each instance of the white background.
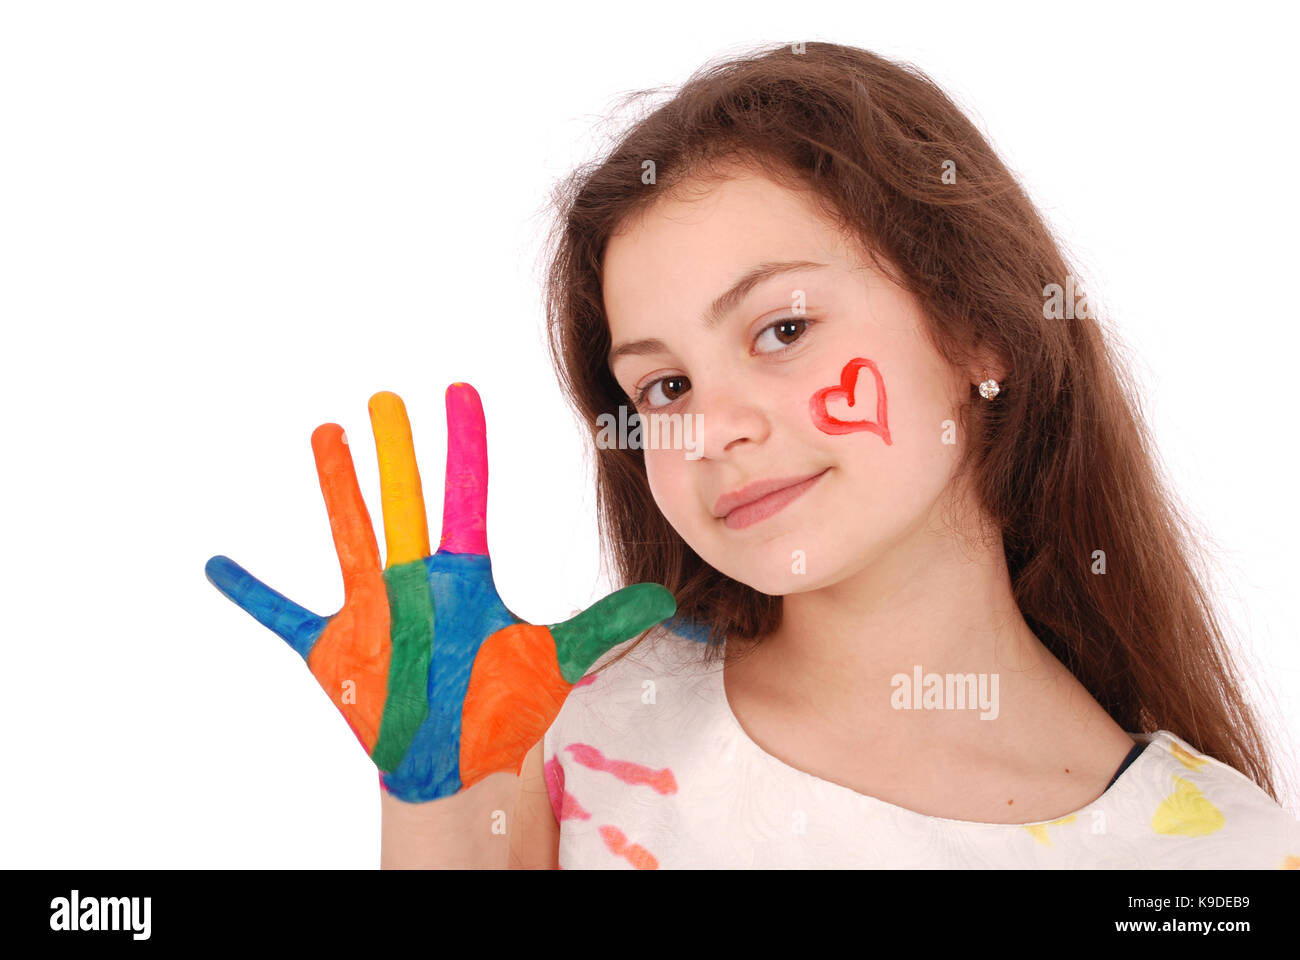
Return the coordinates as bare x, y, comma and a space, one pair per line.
223, 224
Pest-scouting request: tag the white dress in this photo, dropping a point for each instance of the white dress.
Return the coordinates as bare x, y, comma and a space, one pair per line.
647, 767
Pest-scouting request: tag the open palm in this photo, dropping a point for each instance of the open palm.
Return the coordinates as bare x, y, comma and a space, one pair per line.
438, 680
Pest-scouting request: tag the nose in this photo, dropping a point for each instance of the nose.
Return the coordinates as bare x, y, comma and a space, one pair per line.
728, 420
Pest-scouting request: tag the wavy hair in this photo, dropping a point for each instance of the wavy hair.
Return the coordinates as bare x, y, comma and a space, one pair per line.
1063, 462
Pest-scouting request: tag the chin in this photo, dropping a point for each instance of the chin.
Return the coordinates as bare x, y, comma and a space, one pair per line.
776, 579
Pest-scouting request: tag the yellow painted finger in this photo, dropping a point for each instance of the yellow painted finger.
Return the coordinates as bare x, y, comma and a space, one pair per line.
406, 528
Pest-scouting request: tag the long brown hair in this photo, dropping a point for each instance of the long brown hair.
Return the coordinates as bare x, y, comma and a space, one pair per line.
1063, 461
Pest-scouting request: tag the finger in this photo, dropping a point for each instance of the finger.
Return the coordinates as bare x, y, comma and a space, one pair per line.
296, 625
354, 536
580, 640
406, 528
464, 507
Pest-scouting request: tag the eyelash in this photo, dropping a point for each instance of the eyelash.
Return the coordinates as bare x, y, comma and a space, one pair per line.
641, 394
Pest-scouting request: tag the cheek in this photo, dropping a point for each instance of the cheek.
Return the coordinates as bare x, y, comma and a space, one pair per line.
890, 491
856, 401
666, 473
883, 420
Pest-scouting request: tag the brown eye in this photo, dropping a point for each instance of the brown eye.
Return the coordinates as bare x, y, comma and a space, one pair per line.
786, 332
672, 389
789, 328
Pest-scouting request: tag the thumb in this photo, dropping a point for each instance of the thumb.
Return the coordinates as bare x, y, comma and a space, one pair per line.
580, 640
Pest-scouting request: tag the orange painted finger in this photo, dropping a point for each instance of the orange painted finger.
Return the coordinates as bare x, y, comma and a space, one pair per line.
354, 536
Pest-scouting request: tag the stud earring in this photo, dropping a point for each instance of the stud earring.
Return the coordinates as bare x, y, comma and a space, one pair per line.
989, 389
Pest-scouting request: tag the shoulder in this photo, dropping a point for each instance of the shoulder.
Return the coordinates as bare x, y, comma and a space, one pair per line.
661, 675
1200, 812
636, 672
613, 754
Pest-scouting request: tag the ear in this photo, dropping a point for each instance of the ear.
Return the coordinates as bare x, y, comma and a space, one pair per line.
986, 364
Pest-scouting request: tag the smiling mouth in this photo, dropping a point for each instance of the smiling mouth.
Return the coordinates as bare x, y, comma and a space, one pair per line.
766, 506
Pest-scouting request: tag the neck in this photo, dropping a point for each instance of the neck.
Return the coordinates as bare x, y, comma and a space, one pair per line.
941, 601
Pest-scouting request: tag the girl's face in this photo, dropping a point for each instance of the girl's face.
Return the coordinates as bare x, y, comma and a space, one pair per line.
749, 312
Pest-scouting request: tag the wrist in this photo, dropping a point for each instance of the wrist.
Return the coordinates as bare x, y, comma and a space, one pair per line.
466, 829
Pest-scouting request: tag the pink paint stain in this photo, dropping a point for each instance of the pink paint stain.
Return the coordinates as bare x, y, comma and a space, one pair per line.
585, 681
564, 804
662, 781
846, 390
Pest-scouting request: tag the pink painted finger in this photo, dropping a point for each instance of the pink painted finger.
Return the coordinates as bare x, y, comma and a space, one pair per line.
464, 504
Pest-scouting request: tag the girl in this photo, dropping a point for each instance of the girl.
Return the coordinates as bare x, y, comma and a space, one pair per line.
933, 606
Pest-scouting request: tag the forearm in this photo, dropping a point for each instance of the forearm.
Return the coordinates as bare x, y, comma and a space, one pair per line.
466, 830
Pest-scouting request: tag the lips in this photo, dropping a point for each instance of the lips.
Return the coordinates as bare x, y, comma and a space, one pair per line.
756, 491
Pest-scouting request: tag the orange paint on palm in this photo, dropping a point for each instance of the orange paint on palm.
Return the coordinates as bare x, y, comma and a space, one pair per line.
350, 661
515, 687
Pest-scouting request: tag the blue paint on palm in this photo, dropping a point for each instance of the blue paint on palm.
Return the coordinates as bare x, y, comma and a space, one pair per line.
467, 610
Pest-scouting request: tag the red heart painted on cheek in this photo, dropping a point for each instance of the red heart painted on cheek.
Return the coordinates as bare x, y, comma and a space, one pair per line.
848, 384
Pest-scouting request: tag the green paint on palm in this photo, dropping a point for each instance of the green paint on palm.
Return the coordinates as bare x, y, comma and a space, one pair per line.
410, 603
579, 642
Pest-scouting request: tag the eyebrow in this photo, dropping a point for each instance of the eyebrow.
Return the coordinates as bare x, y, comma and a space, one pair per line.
720, 307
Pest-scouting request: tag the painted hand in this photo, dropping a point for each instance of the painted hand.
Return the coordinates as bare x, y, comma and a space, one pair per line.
438, 680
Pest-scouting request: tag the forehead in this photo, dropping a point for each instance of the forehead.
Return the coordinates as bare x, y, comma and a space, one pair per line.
681, 253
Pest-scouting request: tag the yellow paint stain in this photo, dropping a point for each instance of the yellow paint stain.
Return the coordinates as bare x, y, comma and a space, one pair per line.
1290, 863
1039, 830
1189, 760
1186, 812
